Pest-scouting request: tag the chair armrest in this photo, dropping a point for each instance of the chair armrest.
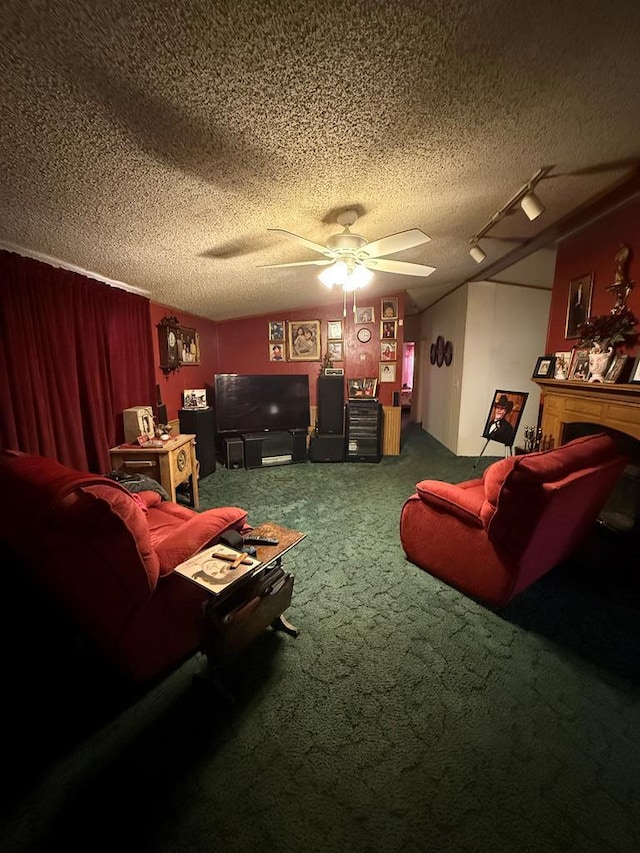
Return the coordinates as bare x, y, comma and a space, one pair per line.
463, 500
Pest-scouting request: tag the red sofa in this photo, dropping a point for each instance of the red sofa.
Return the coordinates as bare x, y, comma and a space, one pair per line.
107, 556
494, 536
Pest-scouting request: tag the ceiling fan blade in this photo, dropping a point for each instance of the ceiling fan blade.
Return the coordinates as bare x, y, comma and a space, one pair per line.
298, 264
315, 247
402, 267
395, 243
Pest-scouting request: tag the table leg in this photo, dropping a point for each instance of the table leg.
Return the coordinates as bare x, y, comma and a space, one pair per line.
281, 623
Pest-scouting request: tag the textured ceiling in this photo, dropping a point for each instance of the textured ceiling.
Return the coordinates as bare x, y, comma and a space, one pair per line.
154, 143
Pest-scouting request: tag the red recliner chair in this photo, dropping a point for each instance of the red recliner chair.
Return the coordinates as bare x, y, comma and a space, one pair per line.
107, 556
494, 536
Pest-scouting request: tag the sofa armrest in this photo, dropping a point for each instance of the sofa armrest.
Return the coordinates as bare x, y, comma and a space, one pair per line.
200, 530
463, 500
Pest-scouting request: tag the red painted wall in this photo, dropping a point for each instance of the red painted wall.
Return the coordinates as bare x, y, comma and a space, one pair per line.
242, 346
593, 250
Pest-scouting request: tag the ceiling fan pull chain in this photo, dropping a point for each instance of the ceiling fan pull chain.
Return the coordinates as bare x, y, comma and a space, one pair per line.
354, 301
344, 303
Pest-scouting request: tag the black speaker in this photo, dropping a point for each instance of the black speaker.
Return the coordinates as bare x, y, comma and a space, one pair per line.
331, 405
234, 453
202, 424
396, 398
162, 414
326, 448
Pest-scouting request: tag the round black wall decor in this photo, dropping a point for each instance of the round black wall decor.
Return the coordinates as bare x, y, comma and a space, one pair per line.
440, 350
432, 354
448, 353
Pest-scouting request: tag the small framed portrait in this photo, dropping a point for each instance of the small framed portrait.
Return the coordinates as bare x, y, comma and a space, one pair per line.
188, 346
335, 350
387, 372
578, 304
304, 340
616, 368
194, 398
388, 330
276, 351
563, 362
334, 330
579, 369
388, 350
276, 330
504, 416
389, 308
545, 366
358, 388
365, 315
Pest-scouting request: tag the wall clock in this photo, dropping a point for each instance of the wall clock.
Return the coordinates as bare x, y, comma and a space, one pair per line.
364, 335
168, 344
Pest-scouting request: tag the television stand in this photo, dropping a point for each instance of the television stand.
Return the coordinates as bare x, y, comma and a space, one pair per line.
277, 447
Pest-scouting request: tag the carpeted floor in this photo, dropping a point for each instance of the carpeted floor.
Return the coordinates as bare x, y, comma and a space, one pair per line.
405, 717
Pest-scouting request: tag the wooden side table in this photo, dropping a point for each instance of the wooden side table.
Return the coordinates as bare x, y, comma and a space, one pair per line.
172, 464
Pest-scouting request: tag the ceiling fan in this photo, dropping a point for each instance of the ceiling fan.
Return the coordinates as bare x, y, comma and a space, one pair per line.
349, 258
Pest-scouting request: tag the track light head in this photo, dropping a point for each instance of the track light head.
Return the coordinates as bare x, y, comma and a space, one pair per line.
477, 254
531, 205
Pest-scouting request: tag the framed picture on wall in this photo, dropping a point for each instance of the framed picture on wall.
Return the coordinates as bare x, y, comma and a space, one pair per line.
334, 330
578, 304
388, 350
304, 340
335, 350
389, 308
188, 346
276, 330
276, 351
387, 372
388, 329
365, 315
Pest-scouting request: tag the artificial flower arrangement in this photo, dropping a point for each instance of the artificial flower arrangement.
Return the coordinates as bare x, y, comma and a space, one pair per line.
609, 330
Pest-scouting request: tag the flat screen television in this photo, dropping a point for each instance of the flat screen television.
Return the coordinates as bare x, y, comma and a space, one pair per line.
246, 403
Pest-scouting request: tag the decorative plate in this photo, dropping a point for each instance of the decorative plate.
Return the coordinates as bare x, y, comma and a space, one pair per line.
440, 350
448, 353
432, 354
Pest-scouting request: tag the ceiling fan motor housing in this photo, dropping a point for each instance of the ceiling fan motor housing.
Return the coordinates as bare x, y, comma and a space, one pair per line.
346, 242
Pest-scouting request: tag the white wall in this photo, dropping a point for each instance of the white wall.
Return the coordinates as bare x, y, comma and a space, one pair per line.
439, 387
497, 331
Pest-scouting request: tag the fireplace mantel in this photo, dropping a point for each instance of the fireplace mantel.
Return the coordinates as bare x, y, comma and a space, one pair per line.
569, 402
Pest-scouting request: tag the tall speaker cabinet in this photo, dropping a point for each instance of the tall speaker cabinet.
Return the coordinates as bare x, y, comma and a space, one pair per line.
202, 424
364, 431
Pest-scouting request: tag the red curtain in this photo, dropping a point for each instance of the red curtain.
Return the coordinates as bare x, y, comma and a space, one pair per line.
73, 354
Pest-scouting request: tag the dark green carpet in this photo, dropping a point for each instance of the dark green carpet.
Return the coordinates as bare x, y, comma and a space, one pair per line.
405, 717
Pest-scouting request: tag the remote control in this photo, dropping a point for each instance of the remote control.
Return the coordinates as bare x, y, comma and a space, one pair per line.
259, 540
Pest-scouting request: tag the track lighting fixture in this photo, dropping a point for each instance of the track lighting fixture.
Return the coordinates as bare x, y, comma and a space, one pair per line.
477, 254
531, 205
528, 201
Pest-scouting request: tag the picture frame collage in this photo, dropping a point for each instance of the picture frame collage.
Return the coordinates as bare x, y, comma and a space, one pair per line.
298, 340
574, 366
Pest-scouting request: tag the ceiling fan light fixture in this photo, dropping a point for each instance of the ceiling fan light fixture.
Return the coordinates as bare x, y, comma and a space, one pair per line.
532, 205
335, 274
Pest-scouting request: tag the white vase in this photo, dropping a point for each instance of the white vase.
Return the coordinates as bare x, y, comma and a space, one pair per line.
598, 363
